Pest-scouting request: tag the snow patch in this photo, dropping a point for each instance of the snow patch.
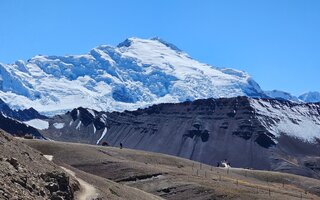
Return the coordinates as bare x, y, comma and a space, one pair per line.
78, 126
103, 118
102, 135
58, 125
92, 112
38, 124
49, 157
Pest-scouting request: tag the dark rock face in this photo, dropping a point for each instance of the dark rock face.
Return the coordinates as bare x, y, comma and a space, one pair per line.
10, 121
13, 162
21, 115
79, 125
58, 185
84, 116
204, 130
203, 134
208, 130
17, 128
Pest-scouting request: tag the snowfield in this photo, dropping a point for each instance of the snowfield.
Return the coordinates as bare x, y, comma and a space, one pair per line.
38, 124
137, 73
103, 134
301, 121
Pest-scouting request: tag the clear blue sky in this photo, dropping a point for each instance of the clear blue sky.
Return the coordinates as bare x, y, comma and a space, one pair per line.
276, 41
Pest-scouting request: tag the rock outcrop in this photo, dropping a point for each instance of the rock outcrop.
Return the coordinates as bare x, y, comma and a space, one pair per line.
17, 128
26, 174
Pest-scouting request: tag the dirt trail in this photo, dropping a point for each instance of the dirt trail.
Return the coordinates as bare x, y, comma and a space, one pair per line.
115, 172
87, 191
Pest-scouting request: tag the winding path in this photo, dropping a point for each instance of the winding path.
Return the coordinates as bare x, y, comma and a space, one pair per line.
87, 191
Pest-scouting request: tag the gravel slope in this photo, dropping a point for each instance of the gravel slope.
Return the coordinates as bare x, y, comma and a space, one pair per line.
170, 177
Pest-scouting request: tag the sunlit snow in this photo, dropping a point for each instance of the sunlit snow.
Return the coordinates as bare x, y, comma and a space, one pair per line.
58, 125
296, 120
136, 73
102, 135
38, 124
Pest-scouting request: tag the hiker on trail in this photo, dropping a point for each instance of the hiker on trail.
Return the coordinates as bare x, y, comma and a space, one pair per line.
120, 145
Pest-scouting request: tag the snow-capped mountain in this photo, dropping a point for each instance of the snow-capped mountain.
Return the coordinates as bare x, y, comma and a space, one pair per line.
136, 73
310, 97
277, 94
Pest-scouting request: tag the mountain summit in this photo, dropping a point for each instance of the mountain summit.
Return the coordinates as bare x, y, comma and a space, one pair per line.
310, 97
136, 73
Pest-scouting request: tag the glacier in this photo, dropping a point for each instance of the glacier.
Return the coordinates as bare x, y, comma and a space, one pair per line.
136, 73
37, 123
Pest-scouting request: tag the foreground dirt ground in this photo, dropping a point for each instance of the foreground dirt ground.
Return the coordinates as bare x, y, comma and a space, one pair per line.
131, 174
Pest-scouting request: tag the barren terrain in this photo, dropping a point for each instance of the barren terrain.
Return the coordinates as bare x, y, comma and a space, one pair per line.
127, 174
